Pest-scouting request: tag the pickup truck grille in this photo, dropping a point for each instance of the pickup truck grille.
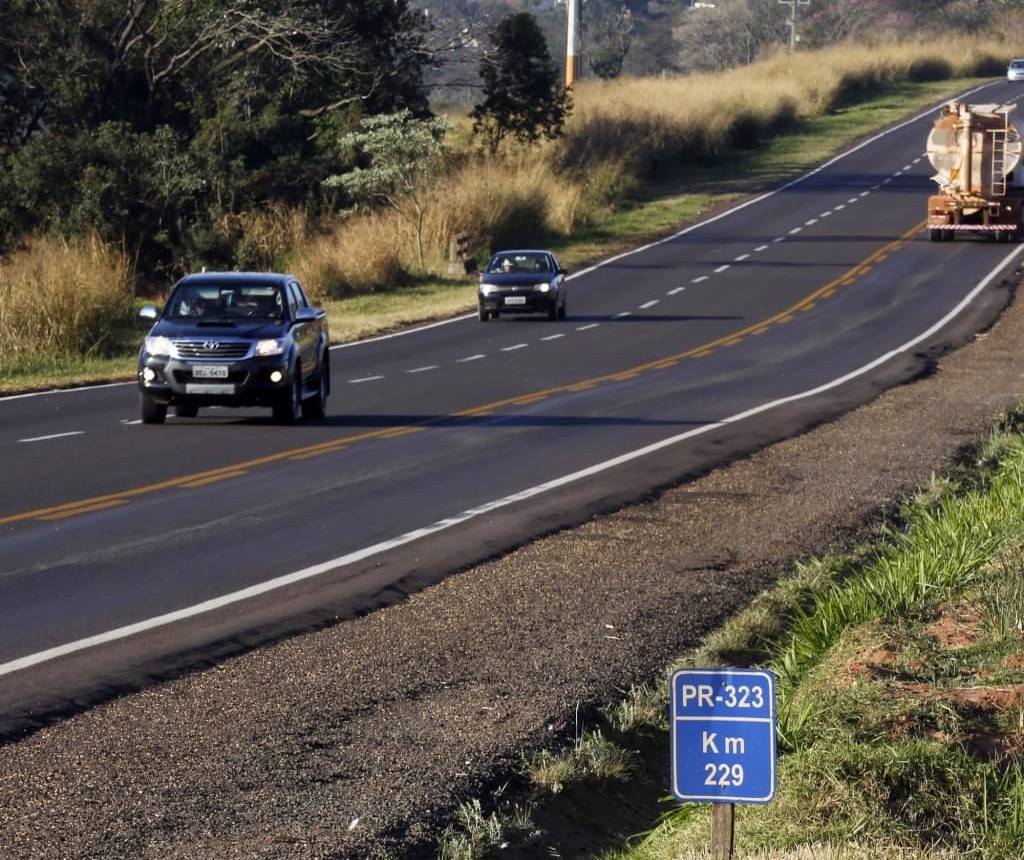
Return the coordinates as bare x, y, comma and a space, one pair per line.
212, 349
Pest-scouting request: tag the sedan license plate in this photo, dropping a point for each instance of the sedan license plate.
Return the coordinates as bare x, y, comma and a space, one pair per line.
515, 300
210, 371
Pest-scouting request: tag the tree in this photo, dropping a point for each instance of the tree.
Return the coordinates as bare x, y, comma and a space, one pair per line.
730, 35
523, 95
405, 156
253, 91
608, 31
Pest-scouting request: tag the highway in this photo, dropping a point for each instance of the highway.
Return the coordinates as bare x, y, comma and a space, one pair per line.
129, 551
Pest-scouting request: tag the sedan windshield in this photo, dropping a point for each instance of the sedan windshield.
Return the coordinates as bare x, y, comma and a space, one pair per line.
520, 261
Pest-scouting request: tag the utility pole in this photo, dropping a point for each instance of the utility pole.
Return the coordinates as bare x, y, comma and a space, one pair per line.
572, 62
792, 4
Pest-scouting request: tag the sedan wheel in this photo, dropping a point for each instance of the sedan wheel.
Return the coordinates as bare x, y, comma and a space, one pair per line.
482, 311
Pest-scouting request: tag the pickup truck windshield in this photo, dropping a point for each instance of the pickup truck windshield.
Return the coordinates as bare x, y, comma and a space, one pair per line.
234, 301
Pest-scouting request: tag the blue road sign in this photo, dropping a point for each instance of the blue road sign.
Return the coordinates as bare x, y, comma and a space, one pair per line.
723, 735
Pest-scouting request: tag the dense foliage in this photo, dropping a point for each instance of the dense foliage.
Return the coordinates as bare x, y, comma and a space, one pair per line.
151, 121
167, 126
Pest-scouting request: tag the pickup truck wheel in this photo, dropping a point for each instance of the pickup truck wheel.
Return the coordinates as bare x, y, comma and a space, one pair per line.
152, 412
286, 410
315, 408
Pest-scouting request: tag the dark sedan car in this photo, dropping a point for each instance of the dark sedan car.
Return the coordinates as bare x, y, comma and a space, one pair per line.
235, 339
522, 282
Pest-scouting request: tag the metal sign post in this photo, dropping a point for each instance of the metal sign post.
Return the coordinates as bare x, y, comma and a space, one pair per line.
723, 742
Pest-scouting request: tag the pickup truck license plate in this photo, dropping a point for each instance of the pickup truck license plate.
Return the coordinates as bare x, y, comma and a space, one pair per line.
210, 371
209, 388
515, 300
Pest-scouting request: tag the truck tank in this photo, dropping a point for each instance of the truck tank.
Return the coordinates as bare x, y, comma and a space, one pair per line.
975, 150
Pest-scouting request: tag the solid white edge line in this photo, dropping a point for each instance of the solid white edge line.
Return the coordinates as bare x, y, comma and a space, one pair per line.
54, 436
489, 507
29, 394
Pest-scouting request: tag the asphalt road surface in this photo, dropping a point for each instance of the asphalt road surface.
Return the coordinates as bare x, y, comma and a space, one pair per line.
128, 551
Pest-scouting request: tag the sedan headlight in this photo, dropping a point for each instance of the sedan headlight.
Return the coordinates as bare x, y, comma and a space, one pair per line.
270, 347
545, 287
487, 289
158, 345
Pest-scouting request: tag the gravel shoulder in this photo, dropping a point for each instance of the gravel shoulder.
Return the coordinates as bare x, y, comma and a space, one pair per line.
360, 740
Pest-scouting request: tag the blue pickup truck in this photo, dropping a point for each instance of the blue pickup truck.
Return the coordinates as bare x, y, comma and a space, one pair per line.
235, 339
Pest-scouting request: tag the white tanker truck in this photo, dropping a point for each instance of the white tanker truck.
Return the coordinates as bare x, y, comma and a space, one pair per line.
975, 150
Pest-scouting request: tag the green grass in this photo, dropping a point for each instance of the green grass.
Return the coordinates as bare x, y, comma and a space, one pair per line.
66, 373
900, 695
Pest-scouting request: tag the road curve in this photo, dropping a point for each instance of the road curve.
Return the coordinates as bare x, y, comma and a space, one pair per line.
127, 552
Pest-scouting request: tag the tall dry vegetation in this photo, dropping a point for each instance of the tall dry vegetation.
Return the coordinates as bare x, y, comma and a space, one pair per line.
622, 132
63, 300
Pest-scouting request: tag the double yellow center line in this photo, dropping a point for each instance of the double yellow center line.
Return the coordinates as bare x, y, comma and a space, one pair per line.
201, 479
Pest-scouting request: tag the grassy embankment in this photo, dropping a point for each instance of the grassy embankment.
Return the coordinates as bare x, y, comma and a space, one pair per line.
639, 158
900, 676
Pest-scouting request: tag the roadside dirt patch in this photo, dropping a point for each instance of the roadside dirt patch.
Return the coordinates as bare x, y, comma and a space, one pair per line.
990, 716
957, 625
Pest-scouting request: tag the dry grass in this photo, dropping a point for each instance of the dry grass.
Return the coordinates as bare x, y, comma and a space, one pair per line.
652, 122
264, 238
62, 299
362, 254
621, 132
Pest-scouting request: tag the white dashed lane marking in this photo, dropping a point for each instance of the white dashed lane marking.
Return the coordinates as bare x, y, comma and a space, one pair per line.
673, 292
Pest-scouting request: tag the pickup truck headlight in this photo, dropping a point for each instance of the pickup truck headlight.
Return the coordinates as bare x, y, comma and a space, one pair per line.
270, 347
159, 345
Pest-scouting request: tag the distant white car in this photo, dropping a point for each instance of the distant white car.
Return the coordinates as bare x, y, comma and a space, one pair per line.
1015, 71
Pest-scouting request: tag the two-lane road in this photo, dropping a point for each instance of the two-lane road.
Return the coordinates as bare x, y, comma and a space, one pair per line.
128, 549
